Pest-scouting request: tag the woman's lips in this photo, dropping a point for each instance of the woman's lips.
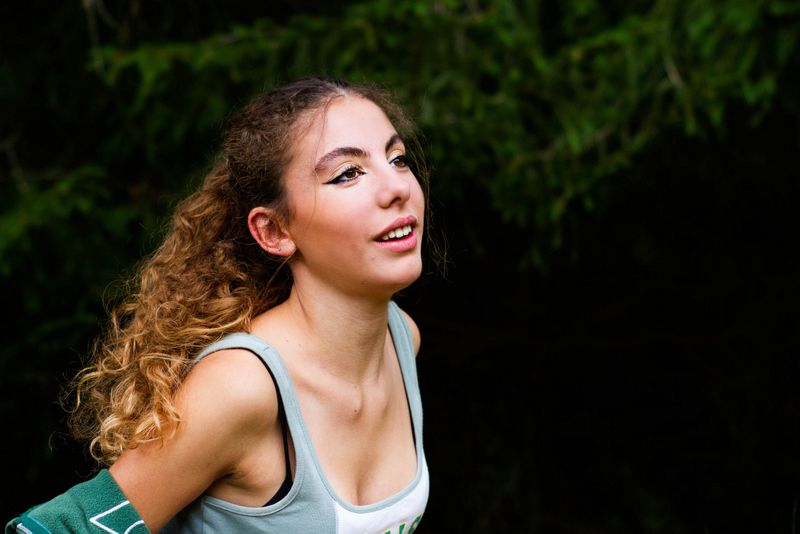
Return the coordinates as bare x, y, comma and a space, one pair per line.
408, 242
408, 220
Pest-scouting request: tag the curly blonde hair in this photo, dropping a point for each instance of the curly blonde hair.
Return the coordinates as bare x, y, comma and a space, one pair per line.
208, 278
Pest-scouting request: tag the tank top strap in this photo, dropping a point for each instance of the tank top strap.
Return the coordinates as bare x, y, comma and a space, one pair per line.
238, 340
404, 346
401, 334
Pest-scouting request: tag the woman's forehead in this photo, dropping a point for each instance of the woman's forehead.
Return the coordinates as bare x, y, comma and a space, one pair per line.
349, 121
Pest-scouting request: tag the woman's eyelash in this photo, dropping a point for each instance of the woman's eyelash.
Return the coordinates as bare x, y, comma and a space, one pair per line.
347, 175
353, 171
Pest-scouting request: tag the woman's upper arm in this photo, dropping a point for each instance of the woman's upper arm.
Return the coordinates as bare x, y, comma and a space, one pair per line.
415, 335
223, 409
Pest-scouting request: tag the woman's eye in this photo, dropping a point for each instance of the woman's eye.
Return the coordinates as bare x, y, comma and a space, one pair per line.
347, 175
400, 161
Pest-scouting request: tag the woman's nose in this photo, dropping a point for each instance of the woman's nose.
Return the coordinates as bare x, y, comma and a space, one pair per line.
395, 186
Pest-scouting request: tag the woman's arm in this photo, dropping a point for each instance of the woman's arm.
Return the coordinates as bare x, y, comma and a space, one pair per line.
227, 404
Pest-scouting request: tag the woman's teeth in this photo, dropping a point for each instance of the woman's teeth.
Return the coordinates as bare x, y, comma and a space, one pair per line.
397, 233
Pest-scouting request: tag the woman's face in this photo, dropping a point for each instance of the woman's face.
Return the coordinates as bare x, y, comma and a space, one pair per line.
357, 209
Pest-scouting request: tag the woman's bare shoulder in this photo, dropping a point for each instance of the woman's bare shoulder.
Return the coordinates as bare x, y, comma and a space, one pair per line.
227, 404
232, 380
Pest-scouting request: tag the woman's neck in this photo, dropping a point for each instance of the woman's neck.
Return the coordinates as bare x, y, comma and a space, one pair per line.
344, 335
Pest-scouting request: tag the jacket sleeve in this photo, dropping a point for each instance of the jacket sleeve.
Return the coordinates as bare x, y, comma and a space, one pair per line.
96, 506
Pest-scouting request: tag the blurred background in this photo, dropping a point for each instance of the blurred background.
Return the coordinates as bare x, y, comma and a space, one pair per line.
614, 348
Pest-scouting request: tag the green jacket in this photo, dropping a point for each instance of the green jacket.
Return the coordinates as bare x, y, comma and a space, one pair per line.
96, 506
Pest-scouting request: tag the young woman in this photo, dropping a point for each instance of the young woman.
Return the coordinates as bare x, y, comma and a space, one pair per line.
261, 379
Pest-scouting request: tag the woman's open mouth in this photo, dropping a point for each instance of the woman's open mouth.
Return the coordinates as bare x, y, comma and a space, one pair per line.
398, 233
401, 235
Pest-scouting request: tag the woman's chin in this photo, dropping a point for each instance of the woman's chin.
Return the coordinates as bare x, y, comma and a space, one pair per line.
403, 279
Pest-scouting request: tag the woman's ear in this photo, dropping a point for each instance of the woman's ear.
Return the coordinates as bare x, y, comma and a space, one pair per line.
268, 232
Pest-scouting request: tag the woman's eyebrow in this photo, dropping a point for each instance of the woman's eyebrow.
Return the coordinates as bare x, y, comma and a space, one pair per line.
353, 152
392, 140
